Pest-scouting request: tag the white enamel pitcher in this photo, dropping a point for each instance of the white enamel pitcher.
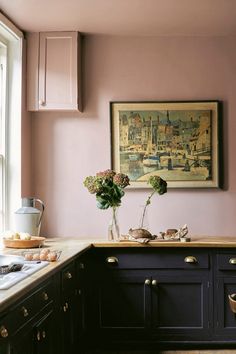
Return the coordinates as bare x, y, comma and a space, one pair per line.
28, 218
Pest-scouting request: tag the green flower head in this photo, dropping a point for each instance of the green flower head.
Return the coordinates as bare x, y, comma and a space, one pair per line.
108, 187
158, 184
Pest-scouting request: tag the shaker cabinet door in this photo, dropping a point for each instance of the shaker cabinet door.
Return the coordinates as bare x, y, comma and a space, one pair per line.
54, 71
123, 303
180, 306
58, 75
225, 318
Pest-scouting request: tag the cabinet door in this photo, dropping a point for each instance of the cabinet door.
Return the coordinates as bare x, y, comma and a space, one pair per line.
58, 74
180, 306
21, 343
68, 309
123, 303
43, 336
225, 319
4, 348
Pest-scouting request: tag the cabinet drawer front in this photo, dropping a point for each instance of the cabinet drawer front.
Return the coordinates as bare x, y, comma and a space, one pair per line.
153, 259
26, 310
68, 278
226, 261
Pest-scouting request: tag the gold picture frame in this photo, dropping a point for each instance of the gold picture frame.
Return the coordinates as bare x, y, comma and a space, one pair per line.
179, 141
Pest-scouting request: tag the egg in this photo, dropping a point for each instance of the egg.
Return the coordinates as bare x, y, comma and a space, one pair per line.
28, 256
44, 251
36, 257
52, 257
43, 256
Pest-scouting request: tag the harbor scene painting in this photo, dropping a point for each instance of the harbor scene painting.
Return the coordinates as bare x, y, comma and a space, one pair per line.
176, 141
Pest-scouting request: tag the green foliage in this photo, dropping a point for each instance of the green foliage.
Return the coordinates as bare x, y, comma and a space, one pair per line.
108, 187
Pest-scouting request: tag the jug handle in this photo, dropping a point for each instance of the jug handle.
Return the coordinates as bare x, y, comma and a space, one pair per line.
42, 210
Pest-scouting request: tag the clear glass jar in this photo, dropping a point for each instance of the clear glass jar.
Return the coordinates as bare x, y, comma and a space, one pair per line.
113, 228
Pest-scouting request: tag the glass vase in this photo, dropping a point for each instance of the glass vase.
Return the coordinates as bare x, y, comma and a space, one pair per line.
113, 229
144, 224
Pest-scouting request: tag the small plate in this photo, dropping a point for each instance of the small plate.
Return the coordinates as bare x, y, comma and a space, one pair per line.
35, 241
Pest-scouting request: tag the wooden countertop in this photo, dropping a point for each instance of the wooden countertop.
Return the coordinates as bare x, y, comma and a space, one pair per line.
196, 241
72, 247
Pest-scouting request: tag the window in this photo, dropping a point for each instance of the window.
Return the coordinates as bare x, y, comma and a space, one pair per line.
11, 40
3, 50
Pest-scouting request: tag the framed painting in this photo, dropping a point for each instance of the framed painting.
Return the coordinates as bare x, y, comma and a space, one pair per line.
178, 141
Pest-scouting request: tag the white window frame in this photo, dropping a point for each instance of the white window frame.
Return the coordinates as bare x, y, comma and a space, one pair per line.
11, 184
3, 131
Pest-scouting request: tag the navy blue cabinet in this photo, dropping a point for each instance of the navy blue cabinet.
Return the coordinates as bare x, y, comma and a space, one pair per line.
151, 294
180, 305
225, 285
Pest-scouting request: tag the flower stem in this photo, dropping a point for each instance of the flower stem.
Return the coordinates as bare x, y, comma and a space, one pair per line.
145, 208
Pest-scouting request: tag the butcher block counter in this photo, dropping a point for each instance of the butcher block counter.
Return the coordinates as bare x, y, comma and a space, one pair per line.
72, 247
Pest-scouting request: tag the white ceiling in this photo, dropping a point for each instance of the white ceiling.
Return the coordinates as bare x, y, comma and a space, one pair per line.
126, 17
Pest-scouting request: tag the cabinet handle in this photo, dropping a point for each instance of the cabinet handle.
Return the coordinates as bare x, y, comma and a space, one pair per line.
38, 336
232, 261
68, 275
44, 334
66, 307
3, 332
81, 266
112, 260
154, 282
45, 296
24, 311
42, 102
147, 282
190, 259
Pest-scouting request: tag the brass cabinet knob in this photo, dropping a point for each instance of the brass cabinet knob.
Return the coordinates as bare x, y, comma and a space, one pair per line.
154, 282
68, 275
24, 311
38, 336
45, 296
3, 332
66, 307
81, 266
43, 334
112, 260
147, 282
232, 261
190, 259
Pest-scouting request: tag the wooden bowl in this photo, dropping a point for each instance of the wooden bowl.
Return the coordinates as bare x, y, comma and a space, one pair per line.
35, 241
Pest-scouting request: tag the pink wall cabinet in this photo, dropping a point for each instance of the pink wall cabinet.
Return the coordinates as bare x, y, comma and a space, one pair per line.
53, 71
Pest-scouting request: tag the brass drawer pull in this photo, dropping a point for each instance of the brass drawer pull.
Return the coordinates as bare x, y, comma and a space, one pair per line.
81, 266
3, 332
66, 307
68, 275
45, 296
232, 261
112, 260
147, 282
38, 336
190, 259
44, 334
25, 311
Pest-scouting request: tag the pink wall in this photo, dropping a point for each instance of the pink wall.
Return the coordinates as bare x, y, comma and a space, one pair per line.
66, 147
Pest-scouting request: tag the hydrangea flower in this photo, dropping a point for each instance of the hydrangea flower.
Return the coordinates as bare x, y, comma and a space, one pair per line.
108, 187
